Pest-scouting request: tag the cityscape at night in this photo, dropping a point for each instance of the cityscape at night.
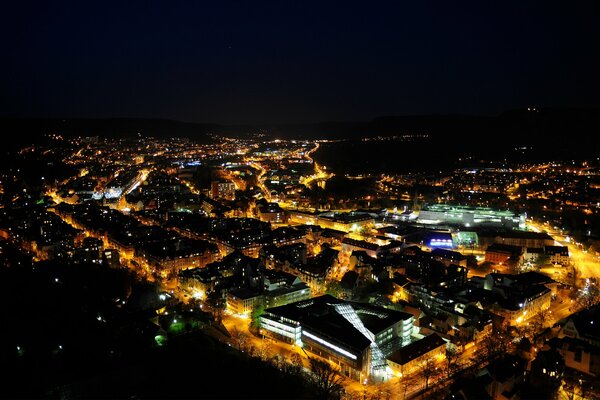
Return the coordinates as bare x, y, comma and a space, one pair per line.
268, 201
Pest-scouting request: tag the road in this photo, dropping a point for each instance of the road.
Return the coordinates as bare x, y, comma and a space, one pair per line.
260, 179
586, 263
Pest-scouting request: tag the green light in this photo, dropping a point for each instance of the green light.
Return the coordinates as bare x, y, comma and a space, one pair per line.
160, 340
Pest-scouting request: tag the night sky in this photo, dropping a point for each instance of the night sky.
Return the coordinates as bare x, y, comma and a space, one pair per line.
285, 61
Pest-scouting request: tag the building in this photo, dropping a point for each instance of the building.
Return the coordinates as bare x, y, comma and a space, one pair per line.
503, 253
532, 254
110, 258
448, 257
222, 190
371, 249
171, 256
346, 222
557, 254
583, 325
578, 354
281, 288
199, 281
354, 336
524, 239
242, 301
90, 251
470, 216
410, 358
524, 305
271, 212
303, 217
520, 297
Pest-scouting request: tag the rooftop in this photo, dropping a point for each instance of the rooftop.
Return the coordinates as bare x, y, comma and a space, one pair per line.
416, 349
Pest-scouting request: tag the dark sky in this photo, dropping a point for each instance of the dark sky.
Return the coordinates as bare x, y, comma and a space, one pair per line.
286, 61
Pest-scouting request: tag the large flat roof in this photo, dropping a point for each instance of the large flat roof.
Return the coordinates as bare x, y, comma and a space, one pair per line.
319, 316
472, 209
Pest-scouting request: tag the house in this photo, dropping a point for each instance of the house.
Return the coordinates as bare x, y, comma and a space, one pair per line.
584, 325
557, 254
410, 358
503, 254
448, 257
507, 374
578, 354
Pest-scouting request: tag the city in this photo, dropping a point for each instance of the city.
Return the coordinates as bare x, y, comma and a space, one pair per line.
416, 285
300, 200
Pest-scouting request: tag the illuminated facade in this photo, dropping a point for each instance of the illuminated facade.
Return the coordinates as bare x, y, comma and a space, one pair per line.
222, 190
345, 222
356, 337
412, 357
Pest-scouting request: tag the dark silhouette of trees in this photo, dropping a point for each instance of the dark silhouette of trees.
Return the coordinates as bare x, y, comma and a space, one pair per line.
328, 383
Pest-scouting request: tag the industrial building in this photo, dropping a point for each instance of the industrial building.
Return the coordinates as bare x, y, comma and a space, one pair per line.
470, 216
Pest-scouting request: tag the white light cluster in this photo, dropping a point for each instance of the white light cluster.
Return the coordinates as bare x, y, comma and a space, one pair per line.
330, 345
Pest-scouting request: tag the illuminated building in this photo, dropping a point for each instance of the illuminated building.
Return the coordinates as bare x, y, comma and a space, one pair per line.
557, 254
222, 190
350, 221
410, 358
519, 297
281, 289
271, 212
355, 336
243, 301
350, 245
502, 253
111, 258
470, 216
171, 256
346, 222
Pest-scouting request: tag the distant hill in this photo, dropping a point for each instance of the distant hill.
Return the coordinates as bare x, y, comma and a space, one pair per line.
25, 131
549, 129
538, 124
452, 140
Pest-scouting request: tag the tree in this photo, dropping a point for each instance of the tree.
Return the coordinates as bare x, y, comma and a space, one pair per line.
542, 260
328, 383
255, 317
277, 361
239, 338
538, 322
296, 365
451, 360
569, 389
428, 369
472, 262
494, 344
262, 351
333, 288
408, 382
590, 294
366, 230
